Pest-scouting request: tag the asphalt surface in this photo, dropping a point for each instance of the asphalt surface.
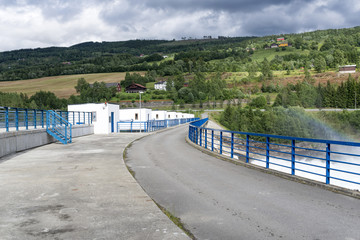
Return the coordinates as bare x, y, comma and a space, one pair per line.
216, 199
79, 191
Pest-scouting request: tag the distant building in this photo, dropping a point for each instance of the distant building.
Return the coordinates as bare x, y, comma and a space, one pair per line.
274, 45
280, 39
135, 88
347, 69
161, 85
283, 44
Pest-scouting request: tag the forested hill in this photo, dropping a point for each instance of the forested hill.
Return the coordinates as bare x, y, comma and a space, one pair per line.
96, 57
318, 49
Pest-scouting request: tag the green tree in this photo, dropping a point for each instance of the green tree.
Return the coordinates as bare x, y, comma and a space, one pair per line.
319, 64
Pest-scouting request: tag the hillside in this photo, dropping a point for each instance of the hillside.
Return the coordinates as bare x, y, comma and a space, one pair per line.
61, 86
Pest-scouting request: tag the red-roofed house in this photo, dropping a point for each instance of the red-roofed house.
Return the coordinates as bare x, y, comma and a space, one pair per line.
135, 88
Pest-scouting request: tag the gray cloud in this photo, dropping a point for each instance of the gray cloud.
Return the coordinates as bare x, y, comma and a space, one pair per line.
40, 23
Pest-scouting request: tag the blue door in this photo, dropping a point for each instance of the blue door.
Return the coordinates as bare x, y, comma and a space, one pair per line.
112, 121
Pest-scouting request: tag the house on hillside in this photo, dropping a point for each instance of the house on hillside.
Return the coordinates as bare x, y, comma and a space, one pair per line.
135, 88
283, 44
274, 45
280, 39
161, 85
347, 69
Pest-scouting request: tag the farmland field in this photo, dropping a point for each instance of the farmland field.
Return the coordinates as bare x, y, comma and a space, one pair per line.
62, 86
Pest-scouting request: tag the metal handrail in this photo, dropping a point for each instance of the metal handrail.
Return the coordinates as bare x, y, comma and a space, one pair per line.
58, 127
16, 119
328, 161
151, 125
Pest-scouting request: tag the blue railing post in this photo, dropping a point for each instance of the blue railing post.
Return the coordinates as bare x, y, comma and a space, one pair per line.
206, 138
232, 145
61, 117
7, 118
42, 118
201, 136
17, 119
212, 140
247, 148
328, 163
267, 152
26, 119
197, 135
221, 141
34, 118
292, 157
66, 126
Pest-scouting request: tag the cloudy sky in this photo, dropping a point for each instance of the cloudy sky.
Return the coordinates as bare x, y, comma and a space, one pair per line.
44, 23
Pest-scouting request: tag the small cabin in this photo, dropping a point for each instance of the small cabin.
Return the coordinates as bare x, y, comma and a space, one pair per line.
135, 88
347, 69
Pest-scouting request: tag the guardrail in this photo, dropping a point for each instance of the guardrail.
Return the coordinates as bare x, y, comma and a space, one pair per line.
15, 119
150, 126
58, 127
330, 162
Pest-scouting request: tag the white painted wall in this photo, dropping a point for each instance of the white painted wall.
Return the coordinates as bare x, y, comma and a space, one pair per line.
143, 115
171, 115
158, 115
101, 117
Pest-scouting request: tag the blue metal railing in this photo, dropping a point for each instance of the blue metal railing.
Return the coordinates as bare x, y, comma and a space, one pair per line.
331, 162
15, 119
150, 126
58, 127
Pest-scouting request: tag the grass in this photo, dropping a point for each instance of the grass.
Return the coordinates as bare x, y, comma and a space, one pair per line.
176, 220
269, 54
150, 85
62, 86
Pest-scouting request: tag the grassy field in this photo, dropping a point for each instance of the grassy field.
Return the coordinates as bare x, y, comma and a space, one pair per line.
62, 86
269, 54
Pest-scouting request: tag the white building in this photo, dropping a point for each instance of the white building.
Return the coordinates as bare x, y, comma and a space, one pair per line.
105, 116
135, 115
160, 85
347, 69
158, 115
171, 115
134, 119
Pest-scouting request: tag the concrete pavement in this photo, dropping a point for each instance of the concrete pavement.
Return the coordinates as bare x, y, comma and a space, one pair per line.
219, 200
78, 191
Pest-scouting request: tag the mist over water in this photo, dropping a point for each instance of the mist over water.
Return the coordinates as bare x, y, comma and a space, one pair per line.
345, 163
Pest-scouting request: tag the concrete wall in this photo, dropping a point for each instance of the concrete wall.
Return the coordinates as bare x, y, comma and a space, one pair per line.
12, 142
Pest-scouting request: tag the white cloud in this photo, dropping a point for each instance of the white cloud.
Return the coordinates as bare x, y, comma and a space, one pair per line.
42, 23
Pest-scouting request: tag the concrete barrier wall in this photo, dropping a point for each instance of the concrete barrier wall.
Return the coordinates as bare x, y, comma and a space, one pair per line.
12, 142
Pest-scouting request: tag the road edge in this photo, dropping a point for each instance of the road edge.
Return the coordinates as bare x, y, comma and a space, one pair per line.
176, 220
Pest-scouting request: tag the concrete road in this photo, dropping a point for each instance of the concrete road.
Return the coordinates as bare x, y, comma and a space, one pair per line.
219, 200
78, 191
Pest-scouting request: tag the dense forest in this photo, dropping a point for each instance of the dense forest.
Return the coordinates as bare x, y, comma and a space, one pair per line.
319, 50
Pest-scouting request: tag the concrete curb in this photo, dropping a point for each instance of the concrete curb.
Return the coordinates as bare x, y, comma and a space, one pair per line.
335, 189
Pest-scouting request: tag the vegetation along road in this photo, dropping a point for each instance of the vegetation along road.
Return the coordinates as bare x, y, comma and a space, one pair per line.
219, 200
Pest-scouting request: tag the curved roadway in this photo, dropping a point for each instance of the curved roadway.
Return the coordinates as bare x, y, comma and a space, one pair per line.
219, 200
